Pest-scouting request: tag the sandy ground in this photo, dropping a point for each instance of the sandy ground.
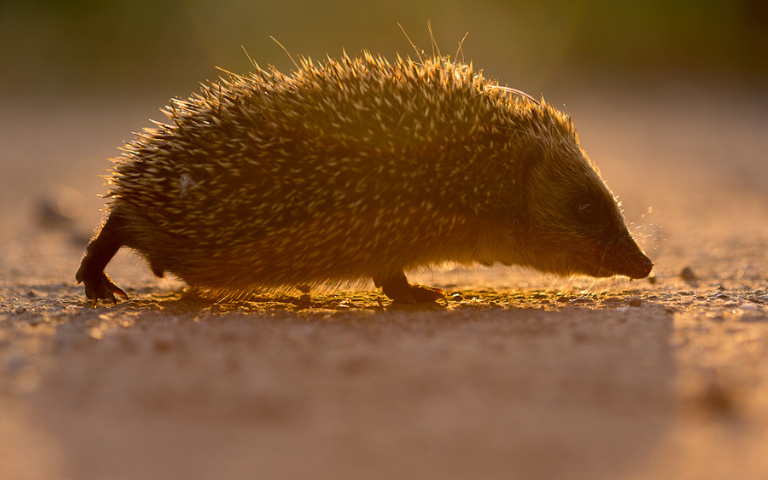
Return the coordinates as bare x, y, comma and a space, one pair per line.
518, 376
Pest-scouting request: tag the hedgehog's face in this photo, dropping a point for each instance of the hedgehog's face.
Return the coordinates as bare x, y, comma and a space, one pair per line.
574, 224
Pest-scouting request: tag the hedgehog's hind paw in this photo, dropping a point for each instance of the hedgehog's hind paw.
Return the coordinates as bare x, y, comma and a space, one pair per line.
99, 287
100, 251
400, 291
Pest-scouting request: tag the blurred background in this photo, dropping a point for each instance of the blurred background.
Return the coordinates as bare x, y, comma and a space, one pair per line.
52, 48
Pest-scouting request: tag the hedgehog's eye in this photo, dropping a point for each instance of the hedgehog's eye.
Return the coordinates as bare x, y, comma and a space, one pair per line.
586, 209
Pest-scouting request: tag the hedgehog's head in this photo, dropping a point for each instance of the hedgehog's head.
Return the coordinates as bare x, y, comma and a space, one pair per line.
573, 223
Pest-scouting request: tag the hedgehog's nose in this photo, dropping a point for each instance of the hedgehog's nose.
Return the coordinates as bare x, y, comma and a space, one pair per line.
647, 267
643, 266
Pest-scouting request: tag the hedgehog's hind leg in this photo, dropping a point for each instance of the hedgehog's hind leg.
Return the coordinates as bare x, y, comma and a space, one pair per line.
399, 290
99, 252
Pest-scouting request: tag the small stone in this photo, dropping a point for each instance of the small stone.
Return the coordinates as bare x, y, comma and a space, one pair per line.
162, 345
60, 206
635, 302
687, 274
581, 300
718, 399
652, 279
20, 309
612, 300
16, 363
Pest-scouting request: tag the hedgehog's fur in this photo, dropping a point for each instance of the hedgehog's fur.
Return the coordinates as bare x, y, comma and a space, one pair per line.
357, 168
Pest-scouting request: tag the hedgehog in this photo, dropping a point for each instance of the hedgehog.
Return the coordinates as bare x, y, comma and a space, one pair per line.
352, 169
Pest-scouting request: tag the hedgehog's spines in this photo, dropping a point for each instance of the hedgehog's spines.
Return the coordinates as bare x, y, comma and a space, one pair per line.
266, 160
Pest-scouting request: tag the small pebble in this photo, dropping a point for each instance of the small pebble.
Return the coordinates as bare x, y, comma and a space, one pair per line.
20, 309
718, 399
60, 206
162, 345
635, 302
16, 363
687, 274
582, 301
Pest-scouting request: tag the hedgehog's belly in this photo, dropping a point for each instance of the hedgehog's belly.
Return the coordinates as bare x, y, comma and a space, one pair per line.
330, 248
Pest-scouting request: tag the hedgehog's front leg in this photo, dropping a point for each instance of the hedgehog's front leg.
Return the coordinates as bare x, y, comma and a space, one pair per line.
399, 290
100, 251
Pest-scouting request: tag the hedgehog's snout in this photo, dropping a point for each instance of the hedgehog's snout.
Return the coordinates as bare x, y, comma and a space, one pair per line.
625, 258
641, 267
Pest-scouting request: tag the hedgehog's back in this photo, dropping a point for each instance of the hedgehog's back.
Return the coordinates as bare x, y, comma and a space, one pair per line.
283, 179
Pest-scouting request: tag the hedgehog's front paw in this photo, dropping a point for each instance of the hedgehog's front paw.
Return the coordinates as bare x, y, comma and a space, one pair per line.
98, 286
425, 294
399, 290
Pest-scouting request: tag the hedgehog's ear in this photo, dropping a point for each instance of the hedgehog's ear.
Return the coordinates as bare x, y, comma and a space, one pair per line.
524, 170
526, 163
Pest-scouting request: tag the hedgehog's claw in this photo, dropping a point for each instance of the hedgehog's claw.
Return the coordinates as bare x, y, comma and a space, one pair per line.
100, 251
100, 287
400, 291
425, 294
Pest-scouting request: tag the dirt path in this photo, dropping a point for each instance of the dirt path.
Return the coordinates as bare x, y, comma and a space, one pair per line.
519, 376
